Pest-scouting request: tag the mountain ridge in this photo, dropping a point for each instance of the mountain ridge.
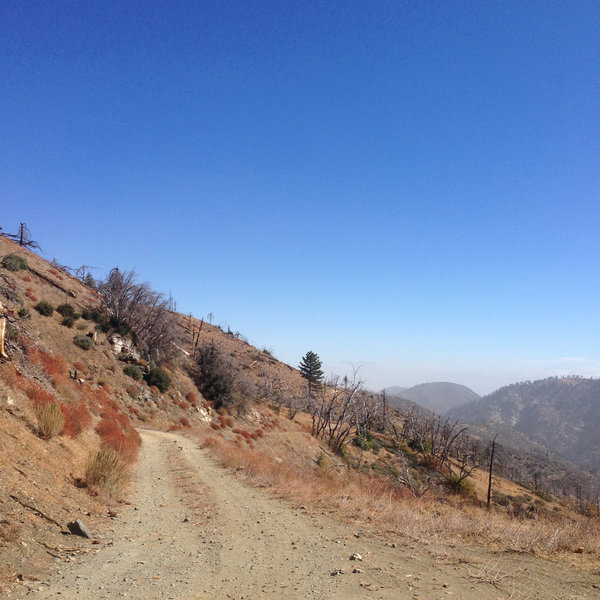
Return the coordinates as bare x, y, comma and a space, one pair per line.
439, 396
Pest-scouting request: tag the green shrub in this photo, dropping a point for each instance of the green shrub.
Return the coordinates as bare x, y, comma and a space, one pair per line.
66, 310
367, 441
215, 375
44, 308
501, 499
14, 262
464, 487
83, 341
24, 313
68, 322
134, 372
156, 376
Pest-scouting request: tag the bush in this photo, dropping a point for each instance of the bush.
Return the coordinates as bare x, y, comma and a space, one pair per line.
83, 341
50, 419
66, 310
464, 487
68, 322
134, 372
44, 308
105, 469
157, 377
14, 262
24, 313
77, 418
215, 376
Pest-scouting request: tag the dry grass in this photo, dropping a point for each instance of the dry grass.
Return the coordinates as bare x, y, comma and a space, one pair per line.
50, 420
373, 500
106, 469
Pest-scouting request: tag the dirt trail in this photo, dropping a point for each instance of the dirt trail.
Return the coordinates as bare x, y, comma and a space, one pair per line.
195, 531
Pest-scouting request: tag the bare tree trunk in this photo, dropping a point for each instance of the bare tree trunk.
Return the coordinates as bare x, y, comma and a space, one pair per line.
2, 332
489, 493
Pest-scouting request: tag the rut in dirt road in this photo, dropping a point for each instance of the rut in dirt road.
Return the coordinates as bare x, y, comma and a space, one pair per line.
195, 531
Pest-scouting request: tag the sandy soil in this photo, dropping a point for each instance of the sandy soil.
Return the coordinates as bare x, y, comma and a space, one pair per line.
195, 531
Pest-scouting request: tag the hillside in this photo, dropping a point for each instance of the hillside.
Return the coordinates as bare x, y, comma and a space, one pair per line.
560, 414
438, 397
81, 382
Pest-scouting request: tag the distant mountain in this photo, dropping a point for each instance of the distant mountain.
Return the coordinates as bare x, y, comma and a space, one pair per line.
561, 414
438, 397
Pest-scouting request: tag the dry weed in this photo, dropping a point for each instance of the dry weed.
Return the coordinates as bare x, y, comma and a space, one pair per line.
363, 498
491, 574
50, 420
105, 469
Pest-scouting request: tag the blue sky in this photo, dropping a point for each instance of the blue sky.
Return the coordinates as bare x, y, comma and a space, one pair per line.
411, 188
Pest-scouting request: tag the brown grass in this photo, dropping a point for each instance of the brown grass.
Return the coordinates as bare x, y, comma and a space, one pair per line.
106, 469
368, 499
50, 420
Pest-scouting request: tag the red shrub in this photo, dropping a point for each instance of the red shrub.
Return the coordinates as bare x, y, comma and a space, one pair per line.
185, 422
254, 435
260, 432
190, 397
125, 442
38, 395
223, 421
55, 366
79, 366
11, 376
77, 418
184, 406
26, 278
215, 426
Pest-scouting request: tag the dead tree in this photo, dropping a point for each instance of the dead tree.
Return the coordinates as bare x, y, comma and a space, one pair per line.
491, 468
333, 411
23, 237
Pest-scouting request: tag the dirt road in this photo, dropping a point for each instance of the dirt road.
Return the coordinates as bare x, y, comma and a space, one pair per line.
195, 531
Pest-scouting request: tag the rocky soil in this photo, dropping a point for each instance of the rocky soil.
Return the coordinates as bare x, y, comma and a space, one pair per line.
195, 531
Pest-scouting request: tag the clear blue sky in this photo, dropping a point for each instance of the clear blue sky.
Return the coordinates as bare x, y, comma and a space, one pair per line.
408, 187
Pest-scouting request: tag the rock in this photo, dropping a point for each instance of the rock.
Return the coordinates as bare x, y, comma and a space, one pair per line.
78, 527
356, 556
356, 570
337, 572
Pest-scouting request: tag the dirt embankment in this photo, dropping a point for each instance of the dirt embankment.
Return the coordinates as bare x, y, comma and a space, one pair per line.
195, 531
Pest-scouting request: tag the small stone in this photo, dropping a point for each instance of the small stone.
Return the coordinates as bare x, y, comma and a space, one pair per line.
78, 527
356, 570
356, 556
337, 572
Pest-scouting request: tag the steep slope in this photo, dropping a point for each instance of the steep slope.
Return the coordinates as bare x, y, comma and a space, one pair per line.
438, 397
561, 414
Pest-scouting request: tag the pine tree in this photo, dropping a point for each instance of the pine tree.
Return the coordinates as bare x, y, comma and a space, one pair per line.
310, 369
